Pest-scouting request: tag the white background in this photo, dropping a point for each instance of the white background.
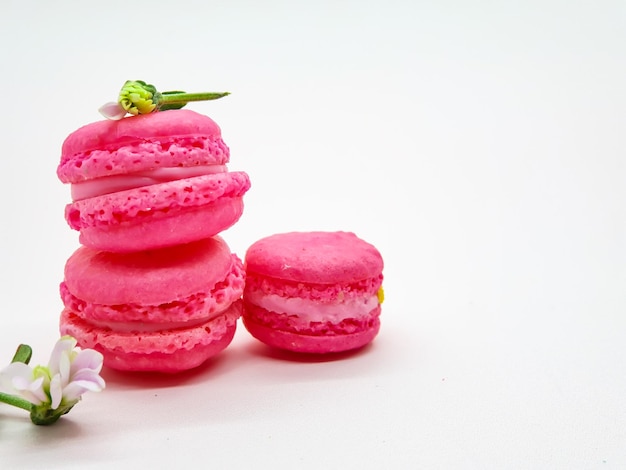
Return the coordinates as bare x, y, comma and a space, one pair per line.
479, 145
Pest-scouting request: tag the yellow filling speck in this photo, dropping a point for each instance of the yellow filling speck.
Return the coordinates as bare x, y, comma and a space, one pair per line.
381, 295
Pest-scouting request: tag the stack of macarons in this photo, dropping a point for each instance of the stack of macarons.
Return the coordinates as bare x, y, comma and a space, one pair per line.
153, 287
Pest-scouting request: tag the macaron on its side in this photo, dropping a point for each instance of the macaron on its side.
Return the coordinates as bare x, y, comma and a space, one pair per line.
179, 305
313, 292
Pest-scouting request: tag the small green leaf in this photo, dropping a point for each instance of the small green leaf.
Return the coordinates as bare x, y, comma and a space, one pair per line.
23, 354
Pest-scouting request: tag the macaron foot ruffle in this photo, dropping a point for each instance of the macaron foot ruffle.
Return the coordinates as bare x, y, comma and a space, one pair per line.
162, 351
301, 343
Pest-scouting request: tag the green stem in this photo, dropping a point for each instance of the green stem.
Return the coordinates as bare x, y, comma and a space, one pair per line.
15, 401
182, 98
23, 354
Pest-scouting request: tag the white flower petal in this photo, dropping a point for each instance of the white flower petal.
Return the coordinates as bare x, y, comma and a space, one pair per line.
37, 389
73, 392
112, 110
22, 383
56, 392
10, 372
90, 381
65, 366
33, 397
18, 379
63, 345
88, 359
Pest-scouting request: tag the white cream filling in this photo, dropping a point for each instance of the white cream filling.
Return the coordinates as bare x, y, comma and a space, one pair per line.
311, 310
112, 184
129, 327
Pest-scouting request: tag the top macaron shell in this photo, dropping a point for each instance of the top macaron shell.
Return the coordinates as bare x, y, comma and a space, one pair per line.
315, 257
183, 283
177, 138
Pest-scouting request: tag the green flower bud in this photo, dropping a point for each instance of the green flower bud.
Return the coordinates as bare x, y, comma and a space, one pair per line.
138, 97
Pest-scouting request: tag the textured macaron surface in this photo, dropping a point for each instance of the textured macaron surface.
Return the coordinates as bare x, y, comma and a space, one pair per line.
184, 283
165, 350
315, 257
147, 202
176, 138
155, 276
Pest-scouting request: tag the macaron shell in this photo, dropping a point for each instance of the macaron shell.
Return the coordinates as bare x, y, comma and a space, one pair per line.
164, 351
140, 277
155, 200
259, 284
317, 257
138, 143
160, 215
318, 344
181, 227
117, 308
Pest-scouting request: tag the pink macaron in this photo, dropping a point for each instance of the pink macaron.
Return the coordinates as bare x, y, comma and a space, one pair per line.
313, 292
150, 181
163, 310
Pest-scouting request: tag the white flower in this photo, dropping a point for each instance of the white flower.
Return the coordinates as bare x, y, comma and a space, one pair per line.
19, 379
70, 373
73, 372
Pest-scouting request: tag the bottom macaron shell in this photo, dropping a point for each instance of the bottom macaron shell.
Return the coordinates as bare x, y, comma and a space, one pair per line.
181, 226
167, 351
314, 344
